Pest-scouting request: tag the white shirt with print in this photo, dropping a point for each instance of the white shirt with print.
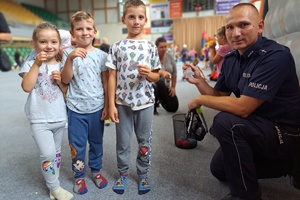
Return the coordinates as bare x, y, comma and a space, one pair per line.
86, 93
45, 103
132, 89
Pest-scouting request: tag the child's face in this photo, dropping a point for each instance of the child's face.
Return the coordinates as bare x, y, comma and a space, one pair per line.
83, 32
135, 20
47, 41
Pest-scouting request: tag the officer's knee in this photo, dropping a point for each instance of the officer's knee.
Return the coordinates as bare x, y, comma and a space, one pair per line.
217, 172
222, 122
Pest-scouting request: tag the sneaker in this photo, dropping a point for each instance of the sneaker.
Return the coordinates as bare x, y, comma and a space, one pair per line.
231, 197
295, 175
120, 184
144, 185
80, 186
99, 180
61, 194
295, 181
51, 196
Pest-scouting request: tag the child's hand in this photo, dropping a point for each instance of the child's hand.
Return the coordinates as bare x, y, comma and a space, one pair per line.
144, 70
113, 113
105, 114
40, 58
56, 76
78, 52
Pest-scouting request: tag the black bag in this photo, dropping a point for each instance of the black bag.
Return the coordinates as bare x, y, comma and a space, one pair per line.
4, 61
196, 129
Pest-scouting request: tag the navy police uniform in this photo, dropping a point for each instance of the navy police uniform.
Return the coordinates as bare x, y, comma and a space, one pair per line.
265, 144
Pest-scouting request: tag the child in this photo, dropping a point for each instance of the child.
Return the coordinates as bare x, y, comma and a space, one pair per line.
134, 64
196, 63
87, 76
45, 107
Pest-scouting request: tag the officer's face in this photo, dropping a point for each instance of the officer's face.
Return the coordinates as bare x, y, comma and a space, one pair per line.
243, 27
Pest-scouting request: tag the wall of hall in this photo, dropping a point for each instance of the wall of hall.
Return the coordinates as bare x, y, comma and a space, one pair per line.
107, 21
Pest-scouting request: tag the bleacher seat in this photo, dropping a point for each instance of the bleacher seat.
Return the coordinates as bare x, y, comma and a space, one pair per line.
24, 52
15, 12
47, 16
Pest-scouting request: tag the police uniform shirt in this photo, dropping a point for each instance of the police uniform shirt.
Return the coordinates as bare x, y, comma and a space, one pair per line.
265, 71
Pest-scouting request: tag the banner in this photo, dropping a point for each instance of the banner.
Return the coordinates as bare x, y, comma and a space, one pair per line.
161, 26
175, 9
223, 6
159, 11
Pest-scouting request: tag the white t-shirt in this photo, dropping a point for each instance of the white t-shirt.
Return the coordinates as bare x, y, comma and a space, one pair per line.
45, 103
132, 89
86, 93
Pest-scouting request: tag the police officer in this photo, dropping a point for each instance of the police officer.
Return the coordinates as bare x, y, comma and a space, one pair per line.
258, 127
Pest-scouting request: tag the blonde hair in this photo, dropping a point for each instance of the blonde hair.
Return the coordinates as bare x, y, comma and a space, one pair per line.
133, 3
80, 16
44, 26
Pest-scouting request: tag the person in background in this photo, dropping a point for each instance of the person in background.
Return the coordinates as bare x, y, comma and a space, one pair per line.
45, 107
17, 56
206, 56
66, 39
85, 72
217, 57
165, 88
196, 63
134, 66
5, 34
184, 53
104, 45
258, 131
192, 54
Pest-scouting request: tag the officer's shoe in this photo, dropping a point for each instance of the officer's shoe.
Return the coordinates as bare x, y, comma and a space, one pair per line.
296, 182
295, 175
231, 197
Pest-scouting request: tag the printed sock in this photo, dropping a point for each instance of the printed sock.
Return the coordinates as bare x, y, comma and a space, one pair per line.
120, 184
61, 194
99, 180
79, 186
144, 185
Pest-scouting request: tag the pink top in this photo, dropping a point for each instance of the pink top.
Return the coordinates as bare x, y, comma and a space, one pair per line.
222, 51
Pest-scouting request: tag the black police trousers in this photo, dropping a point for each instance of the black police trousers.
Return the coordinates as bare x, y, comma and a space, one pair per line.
252, 148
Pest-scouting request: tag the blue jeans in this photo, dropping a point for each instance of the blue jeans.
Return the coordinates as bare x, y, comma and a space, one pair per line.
83, 128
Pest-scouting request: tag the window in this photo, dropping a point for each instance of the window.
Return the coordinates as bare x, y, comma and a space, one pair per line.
188, 5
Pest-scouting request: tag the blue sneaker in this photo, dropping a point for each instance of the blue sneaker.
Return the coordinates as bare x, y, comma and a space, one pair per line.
144, 185
120, 185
